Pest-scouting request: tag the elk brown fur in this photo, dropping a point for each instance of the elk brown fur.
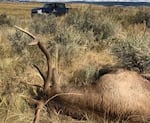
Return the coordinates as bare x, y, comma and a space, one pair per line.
121, 93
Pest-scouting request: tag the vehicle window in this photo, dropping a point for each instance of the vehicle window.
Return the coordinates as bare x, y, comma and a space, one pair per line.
60, 5
48, 6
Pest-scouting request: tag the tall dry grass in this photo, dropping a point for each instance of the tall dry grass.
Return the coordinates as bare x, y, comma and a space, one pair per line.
80, 43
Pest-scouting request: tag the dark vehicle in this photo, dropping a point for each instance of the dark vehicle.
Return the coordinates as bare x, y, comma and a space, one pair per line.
57, 9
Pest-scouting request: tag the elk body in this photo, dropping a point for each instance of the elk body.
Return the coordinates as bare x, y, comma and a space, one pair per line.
119, 93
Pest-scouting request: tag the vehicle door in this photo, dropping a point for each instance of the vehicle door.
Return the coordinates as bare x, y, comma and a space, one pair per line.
60, 8
48, 8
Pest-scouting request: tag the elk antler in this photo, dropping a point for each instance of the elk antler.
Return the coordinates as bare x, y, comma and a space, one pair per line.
40, 106
35, 41
47, 80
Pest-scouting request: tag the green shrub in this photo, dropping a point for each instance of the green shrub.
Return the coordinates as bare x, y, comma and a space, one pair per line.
19, 41
134, 54
103, 30
5, 20
26, 55
101, 26
44, 24
84, 76
139, 18
81, 21
67, 45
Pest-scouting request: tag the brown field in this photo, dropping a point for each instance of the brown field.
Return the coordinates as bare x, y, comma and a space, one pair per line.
18, 9
87, 52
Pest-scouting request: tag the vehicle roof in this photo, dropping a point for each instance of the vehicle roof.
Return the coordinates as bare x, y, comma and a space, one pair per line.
55, 3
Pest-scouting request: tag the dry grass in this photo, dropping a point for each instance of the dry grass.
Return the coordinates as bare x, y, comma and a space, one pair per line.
20, 10
16, 71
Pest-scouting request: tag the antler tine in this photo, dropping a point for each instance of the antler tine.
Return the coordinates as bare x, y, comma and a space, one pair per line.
38, 69
45, 52
28, 33
49, 69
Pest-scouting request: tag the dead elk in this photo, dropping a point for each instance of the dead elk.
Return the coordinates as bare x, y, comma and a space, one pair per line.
115, 94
